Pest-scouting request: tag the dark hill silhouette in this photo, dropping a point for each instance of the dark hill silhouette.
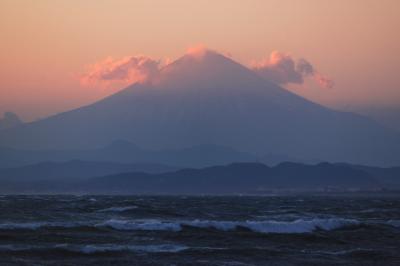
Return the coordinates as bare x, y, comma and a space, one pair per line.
76, 169
237, 178
390, 175
50, 176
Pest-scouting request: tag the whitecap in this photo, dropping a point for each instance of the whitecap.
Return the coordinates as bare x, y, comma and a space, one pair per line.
99, 248
29, 226
38, 225
118, 209
337, 252
93, 249
296, 226
144, 225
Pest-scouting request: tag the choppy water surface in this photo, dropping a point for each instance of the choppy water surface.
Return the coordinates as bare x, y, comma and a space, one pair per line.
136, 230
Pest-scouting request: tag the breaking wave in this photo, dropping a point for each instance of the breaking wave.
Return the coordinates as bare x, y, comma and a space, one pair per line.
118, 209
297, 226
95, 249
267, 226
38, 225
146, 225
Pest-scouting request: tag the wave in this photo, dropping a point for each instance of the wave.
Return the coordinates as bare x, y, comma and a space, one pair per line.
38, 225
394, 223
297, 226
259, 226
95, 249
142, 225
14, 226
340, 252
118, 209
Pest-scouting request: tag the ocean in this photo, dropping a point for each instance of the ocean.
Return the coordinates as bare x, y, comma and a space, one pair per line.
201, 230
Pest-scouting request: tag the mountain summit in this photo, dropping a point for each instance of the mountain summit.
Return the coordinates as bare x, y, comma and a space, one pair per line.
210, 99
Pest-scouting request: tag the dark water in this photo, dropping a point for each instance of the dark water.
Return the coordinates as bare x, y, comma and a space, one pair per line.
128, 230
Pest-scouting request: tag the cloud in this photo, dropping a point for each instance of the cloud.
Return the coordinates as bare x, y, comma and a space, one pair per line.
197, 51
200, 50
127, 70
281, 68
305, 68
324, 81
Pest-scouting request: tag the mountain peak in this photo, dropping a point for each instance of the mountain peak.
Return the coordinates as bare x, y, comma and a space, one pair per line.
207, 69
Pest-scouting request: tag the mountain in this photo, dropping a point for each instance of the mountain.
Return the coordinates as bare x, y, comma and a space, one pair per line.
249, 178
214, 100
76, 170
236, 178
48, 176
390, 175
9, 120
387, 116
125, 152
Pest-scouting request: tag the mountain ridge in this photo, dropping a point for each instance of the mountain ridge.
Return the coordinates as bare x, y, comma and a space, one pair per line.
85, 177
237, 178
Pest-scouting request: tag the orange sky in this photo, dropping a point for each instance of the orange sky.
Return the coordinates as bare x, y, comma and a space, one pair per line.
46, 44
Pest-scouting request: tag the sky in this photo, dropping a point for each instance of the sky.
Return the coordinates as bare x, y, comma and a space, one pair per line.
47, 45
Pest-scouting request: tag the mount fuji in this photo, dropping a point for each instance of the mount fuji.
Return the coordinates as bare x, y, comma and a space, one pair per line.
211, 99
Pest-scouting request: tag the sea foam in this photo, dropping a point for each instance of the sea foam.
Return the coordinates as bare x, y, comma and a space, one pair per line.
144, 225
297, 226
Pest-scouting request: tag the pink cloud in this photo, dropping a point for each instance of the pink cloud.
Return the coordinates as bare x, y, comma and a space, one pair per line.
200, 50
281, 68
324, 81
197, 51
127, 70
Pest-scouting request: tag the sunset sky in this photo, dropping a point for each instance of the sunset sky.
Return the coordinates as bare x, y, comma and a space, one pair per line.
47, 45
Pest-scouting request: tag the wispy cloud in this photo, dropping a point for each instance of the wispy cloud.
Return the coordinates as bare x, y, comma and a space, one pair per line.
281, 68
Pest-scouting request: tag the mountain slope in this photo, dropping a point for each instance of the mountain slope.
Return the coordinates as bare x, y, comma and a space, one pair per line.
126, 152
214, 100
53, 171
53, 177
9, 120
390, 175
